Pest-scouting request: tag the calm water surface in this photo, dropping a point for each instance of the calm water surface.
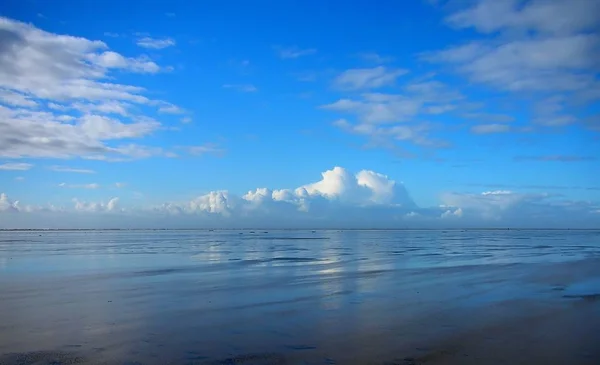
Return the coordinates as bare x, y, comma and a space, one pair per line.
323, 297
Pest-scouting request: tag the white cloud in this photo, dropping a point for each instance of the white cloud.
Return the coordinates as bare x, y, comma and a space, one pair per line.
245, 88
13, 98
120, 185
337, 187
186, 120
338, 199
170, 109
419, 98
416, 133
489, 117
512, 206
375, 58
555, 120
367, 78
537, 46
556, 158
294, 52
42, 134
110, 206
7, 204
39, 69
554, 17
113, 60
16, 166
104, 107
456, 213
79, 186
490, 128
218, 202
402, 113
204, 149
19, 178
71, 169
155, 43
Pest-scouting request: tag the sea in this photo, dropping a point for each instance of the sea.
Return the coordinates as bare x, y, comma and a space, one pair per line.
277, 296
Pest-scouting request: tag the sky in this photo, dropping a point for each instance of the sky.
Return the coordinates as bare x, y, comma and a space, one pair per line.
300, 114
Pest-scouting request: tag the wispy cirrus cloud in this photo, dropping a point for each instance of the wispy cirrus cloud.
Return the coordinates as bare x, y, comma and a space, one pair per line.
544, 50
387, 119
490, 128
16, 166
293, 52
367, 78
155, 43
79, 186
207, 149
556, 158
245, 88
376, 58
57, 168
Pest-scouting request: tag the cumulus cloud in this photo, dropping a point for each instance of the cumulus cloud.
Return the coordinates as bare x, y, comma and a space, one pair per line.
59, 99
337, 188
365, 199
7, 204
110, 206
450, 214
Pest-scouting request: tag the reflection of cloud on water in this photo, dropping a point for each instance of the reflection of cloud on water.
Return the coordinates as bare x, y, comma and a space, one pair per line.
331, 275
3, 263
212, 252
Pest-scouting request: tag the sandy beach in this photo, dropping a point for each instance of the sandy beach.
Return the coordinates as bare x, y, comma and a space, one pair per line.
299, 298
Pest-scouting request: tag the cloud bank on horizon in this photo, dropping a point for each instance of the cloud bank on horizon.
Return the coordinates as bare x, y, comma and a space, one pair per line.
340, 199
161, 123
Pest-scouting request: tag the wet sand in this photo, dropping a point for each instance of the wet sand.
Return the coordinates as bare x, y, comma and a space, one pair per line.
346, 298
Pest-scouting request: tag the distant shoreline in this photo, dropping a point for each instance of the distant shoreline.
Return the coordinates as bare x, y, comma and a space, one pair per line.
291, 229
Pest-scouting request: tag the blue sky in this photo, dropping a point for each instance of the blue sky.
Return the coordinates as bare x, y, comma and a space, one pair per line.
437, 113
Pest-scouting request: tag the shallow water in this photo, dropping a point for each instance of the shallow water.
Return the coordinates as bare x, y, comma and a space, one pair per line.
284, 296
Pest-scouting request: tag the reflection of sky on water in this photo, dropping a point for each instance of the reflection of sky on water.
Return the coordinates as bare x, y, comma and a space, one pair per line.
223, 291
